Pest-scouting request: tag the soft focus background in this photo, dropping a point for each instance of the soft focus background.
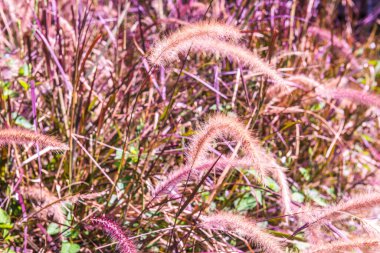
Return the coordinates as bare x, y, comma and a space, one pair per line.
82, 66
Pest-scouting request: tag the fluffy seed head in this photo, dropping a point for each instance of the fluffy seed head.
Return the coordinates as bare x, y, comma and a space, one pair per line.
243, 226
166, 50
345, 246
114, 230
189, 173
315, 217
356, 96
21, 136
213, 43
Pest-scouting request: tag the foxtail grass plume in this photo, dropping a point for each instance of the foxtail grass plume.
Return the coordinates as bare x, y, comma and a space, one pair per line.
355, 96
247, 228
207, 42
115, 231
220, 126
345, 246
50, 206
194, 173
23, 137
352, 205
166, 50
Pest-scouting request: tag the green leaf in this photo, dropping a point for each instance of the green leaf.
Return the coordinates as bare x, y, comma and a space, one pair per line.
24, 70
305, 173
119, 154
24, 84
53, 229
298, 197
9, 93
271, 184
4, 217
316, 197
247, 202
21, 121
68, 247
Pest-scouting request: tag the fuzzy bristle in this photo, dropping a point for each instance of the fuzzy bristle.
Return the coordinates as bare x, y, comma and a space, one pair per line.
166, 48
220, 126
23, 137
243, 226
208, 42
345, 246
114, 230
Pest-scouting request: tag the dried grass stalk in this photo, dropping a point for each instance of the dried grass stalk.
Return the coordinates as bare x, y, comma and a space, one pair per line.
115, 231
243, 226
23, 137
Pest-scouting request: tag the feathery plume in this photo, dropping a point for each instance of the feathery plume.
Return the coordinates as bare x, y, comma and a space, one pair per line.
165, 50
243, 226
211, 45
50, 205
114, 230
356, 96
22, 137
193, 174
280, 176
299, 81
221, 126
306, 82
344, 246
352, 205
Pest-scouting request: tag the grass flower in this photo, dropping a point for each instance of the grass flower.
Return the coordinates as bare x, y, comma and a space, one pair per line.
166, 50
23, 137
345, 246
114, 230
233, 223
211, 43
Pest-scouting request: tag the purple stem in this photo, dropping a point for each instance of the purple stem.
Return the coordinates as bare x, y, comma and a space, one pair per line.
216, 86
48, 237
66, 81
34, 110
23, 209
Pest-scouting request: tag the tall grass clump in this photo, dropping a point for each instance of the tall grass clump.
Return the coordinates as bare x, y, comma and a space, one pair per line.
140, 96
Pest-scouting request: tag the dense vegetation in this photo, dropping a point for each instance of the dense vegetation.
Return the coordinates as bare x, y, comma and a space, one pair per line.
186, 126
